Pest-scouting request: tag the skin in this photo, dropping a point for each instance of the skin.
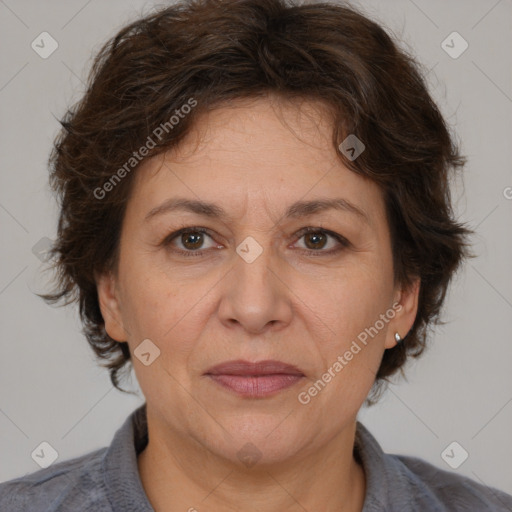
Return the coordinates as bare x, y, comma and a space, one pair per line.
254, 159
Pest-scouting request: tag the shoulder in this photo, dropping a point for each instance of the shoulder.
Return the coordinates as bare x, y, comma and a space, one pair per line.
75, 484
446, 490
395, 483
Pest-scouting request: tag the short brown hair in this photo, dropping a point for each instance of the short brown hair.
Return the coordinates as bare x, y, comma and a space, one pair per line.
217, 51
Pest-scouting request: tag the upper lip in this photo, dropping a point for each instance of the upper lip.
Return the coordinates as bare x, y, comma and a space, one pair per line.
240, 367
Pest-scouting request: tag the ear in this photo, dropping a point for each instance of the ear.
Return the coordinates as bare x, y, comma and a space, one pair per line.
406, 307
108, 297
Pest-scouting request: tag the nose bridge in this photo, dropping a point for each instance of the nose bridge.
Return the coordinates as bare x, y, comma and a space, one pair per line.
254, 295
253, 263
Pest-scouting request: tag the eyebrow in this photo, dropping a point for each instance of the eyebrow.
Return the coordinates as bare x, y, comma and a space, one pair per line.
296, 210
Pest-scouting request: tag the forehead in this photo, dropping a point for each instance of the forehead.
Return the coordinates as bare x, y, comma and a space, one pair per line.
259, 153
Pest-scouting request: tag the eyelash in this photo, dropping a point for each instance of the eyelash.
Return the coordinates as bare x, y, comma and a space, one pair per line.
166, 242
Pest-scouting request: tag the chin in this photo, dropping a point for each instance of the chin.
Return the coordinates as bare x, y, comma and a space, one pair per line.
257, 439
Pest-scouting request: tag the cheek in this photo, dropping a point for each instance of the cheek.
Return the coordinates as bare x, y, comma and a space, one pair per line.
347, 301
344, 315
151, 305
350, 351
169, 311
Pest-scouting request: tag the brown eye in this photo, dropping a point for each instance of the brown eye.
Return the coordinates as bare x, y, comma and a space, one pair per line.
315, 240
189, 241
192, 240
321, 241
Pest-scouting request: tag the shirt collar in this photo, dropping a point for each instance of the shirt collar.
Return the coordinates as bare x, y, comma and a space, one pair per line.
126, 493
120, 471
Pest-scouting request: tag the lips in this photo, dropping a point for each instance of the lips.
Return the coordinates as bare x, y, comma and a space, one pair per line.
241, 367
255, 380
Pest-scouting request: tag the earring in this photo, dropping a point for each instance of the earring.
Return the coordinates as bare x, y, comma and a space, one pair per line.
397, 338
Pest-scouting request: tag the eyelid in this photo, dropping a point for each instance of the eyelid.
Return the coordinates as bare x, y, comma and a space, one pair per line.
342, 241
188, 229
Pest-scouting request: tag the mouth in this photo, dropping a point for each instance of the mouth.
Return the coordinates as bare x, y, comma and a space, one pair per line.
255, 380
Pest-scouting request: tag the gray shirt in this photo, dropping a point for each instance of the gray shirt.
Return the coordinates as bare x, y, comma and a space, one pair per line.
107, 480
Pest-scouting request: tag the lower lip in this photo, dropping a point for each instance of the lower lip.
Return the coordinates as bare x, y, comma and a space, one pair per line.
256, 386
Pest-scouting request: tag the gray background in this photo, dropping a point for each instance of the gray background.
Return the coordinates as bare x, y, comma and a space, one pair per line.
461, 390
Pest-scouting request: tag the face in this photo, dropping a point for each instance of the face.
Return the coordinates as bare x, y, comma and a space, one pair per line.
290, 261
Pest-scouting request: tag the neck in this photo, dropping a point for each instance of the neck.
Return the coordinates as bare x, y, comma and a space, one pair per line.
179, 474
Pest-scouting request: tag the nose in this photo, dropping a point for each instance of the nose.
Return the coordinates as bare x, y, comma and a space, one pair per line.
256, 295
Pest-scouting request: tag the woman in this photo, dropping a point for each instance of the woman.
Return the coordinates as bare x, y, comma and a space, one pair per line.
255, 213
